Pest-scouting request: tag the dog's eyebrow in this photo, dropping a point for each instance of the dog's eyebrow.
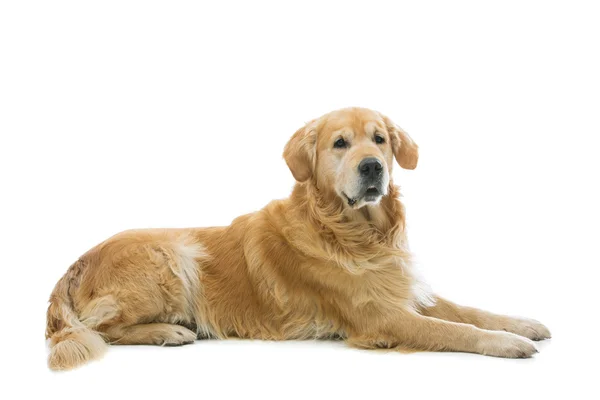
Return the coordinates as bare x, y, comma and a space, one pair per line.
343, 132
373, 127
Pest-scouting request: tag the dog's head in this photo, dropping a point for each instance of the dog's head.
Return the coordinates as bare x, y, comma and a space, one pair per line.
349, 153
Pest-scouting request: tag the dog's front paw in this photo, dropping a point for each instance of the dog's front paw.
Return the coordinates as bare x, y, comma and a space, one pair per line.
529, 328
505, 344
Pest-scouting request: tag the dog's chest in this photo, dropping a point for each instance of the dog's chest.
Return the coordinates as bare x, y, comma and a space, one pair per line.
395, 285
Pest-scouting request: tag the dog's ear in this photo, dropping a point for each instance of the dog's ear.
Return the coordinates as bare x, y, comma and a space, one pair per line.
405, 149
300, 151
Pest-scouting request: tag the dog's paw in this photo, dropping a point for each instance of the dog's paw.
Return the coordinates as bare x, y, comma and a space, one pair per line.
528, 328
175, 336
505, 344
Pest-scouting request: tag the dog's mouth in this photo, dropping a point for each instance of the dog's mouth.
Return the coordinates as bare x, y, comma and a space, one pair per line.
372, 191
372, 194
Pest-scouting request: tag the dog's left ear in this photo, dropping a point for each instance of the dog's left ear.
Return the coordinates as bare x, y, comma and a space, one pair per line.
299, 152
405, 149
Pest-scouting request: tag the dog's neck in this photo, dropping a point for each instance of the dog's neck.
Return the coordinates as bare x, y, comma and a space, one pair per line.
327, 208
358, 234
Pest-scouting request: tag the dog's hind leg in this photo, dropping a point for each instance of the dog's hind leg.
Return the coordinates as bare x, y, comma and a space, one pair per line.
160, 334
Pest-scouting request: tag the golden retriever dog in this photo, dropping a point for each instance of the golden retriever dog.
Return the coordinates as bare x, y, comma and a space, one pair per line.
330, 261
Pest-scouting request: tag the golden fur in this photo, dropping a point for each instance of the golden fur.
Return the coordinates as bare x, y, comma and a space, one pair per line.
310, 266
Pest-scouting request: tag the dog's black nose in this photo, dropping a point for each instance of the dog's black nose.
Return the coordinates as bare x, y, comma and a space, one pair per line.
370, 167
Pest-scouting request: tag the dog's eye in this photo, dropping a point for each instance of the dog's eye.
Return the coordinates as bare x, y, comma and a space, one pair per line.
340, 143
379, 139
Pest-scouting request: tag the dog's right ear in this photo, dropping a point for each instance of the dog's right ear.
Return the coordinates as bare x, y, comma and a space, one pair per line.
300, 152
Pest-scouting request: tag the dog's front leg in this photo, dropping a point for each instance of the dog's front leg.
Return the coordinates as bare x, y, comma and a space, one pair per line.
410, 330
448, 311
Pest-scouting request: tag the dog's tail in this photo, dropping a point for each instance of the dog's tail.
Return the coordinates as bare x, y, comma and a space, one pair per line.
72, 342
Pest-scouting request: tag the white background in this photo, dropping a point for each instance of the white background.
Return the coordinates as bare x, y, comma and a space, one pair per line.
118, 115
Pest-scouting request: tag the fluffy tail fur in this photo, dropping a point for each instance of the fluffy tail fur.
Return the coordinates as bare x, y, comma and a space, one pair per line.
72, 342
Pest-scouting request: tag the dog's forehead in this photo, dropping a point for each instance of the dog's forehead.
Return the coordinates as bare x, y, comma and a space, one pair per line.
358, 121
